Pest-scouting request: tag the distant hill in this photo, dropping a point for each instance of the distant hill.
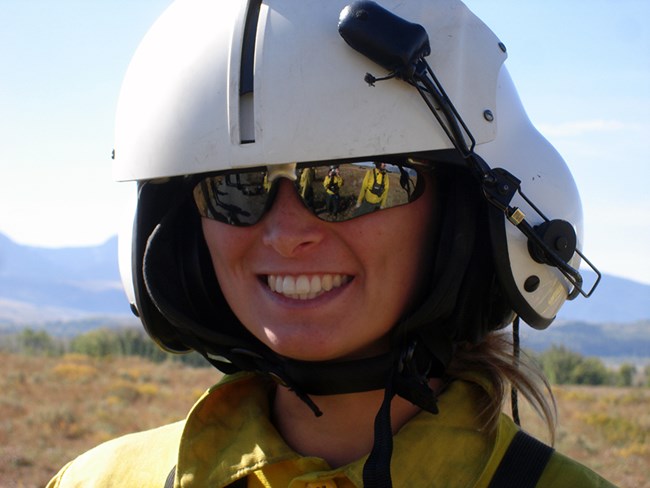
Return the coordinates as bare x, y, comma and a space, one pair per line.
40, 284
629, 341
615, 300
73, 289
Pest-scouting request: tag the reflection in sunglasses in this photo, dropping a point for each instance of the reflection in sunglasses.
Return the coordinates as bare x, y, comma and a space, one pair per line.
333, 193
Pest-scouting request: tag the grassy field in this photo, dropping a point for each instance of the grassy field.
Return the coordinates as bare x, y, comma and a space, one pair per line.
52, 409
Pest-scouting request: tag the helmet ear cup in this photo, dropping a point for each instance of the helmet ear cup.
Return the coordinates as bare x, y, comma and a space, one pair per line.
200, 287
178, 296
152, 205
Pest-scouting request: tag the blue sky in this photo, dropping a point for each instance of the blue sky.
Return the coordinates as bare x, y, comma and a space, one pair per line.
582, 69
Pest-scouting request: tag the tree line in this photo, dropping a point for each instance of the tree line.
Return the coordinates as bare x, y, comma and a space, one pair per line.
100, 343
565, 367
560, 364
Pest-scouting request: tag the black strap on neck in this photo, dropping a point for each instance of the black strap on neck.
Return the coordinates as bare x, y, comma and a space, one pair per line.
523, 463
376, 470
409, 379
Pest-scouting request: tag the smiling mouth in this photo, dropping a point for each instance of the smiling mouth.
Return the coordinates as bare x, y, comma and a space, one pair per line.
303, 287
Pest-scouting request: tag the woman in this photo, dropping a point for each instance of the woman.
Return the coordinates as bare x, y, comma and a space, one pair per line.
361, 352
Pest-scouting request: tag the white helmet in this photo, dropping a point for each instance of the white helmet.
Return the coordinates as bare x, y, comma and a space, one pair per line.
221, 85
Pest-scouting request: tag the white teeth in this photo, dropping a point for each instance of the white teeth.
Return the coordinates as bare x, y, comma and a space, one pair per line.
303, 287
326, 282
315, 283
288, 285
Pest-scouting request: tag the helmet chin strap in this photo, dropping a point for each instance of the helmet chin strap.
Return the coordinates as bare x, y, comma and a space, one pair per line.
407, 371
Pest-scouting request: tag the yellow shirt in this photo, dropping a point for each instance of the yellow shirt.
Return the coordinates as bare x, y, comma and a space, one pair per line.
228, 435
372, 176
336, 179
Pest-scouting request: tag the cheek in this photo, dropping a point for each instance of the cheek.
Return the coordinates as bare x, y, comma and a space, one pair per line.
215, 240
225, 245
397, 247
229, 251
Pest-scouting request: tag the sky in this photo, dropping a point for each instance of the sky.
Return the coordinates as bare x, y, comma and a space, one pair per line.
582, 69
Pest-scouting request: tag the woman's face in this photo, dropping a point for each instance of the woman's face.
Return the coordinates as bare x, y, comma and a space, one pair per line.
317, 291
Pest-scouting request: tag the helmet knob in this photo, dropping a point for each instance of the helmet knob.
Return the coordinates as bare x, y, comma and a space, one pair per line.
559, 236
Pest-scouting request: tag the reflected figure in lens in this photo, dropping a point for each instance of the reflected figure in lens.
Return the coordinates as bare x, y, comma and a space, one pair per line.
333, 183
306, 190
374, 190
266, 184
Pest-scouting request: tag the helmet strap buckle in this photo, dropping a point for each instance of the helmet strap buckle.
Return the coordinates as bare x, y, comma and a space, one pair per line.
411, 378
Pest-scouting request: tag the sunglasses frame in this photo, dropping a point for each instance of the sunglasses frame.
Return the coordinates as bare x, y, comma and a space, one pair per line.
421, 167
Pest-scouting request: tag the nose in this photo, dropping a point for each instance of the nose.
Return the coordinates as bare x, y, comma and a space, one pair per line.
289, 228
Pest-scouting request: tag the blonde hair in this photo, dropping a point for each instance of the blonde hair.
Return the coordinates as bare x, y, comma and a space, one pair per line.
495, 360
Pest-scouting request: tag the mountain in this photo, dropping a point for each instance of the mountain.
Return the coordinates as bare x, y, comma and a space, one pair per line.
615, 300
41, 284
605, 340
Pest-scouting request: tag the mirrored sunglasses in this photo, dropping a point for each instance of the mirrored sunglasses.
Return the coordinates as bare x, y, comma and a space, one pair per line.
333, 191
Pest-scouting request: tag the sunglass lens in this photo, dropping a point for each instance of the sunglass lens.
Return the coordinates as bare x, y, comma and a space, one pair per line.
345, 191
333, 193
237, 198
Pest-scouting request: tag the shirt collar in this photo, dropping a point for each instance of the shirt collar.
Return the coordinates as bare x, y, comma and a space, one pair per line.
234, 418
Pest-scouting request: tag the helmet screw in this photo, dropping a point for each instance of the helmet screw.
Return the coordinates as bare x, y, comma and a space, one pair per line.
532, 283
561, 243
502, 46
488, 115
